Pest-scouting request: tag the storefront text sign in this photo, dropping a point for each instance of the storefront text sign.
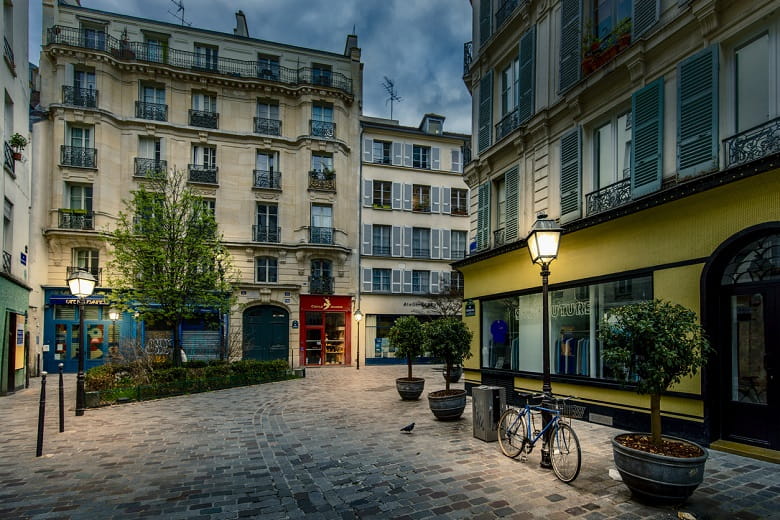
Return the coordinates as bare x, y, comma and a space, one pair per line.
58, 300
575, 308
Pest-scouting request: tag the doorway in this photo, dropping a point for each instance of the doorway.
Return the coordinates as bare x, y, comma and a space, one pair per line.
266, 337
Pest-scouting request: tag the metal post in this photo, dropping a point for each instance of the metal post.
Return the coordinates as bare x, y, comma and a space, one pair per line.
41, 416
358, 345
62, 401
80, 392
546, 385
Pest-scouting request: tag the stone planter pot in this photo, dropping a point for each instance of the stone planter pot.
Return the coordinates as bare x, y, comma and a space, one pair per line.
92, 399
455, 374
410, 389
656, 478
447, 406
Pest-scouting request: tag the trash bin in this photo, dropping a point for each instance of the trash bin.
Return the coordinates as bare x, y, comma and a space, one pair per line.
487, 404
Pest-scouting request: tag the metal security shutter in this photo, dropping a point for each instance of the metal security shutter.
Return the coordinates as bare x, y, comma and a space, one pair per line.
571, 172
512, 198
527, 53
571, 37
201, 344
644, 15
647, 110
483, 216
484, 135
697, 115
485, 17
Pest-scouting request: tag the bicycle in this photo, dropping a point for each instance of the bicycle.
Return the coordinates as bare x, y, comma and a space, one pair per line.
517, 433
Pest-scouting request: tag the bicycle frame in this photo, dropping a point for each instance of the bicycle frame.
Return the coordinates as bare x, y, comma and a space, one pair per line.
527, 411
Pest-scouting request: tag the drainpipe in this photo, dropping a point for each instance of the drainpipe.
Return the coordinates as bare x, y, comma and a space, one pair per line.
360, 223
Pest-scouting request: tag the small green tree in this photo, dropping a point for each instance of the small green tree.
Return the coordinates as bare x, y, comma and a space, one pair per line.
448, 339
655, 343
168, 262
407, 339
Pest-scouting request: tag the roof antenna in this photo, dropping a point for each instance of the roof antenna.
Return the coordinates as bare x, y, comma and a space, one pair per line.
179, 5
392, 93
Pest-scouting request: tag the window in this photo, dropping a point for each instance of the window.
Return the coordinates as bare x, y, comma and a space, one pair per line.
79, 196
152, 94
381, 240
321, 163
380, 280
84, 79
458, 244
80, 137
421, 242
150, 148
321, 74
322, 112
456, 281
267, 223
94, 37
607, 15
267, 119
421, 282
87, 260
210, 205
206, 57
321, 279
421, 198
381, 151
501, 206
510, 87
612, 151
204, 156
421, 157
382, 191
459, 202
155, 49
753, 83
267, 67
321, 224
266, 270
266, 161
204, 102
434, 126
152, 103
268, 110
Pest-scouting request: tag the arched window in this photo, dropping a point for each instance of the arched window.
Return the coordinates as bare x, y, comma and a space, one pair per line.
758, 261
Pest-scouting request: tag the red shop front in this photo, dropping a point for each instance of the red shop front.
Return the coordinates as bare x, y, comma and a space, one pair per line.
326, 326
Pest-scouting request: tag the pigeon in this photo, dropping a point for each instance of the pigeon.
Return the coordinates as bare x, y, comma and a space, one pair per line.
408, 428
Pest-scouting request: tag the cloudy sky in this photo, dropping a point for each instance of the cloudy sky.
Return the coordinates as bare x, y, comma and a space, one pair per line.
416, 43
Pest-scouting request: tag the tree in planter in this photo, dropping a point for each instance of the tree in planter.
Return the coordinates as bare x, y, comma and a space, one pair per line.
407, 339
168, 262
450, 340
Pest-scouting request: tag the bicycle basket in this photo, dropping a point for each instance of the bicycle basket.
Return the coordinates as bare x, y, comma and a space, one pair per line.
573, 411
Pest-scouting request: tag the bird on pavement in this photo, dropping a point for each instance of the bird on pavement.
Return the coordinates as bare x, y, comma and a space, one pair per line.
408, 428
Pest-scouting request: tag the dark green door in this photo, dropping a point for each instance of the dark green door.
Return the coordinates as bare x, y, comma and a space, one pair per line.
266, 334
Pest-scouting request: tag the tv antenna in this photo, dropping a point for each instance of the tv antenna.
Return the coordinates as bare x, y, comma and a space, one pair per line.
179, 5
392, 94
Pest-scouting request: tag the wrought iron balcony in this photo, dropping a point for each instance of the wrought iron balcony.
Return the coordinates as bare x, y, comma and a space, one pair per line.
149, 167
202, 173
499, 237
8, 157
754, 143
421, 252
508, 123
266, 234
322, 180
321, 284
188, 60
7, 262
609, 197
97, 272
505, 11
468, 56
8, 54
79, 97
204, 119
323, 129
153, 111
76, 219
268, 179
380, 250
78, 156
267, 126
320, 235
459, 210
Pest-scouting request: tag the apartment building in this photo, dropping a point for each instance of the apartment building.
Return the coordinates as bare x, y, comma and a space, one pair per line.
648, 129
265, 132
15, 194
414, 223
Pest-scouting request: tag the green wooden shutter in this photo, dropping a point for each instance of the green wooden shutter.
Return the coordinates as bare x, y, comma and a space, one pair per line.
571, 36
644, 15
512, 179
527, 53
571, 173
647, 111
485, 111
485, 16
697, 114
483, 216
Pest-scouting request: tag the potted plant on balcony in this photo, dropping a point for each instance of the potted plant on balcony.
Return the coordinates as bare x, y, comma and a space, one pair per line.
18, 142
655, 344
623, 33
450, 340
406, 338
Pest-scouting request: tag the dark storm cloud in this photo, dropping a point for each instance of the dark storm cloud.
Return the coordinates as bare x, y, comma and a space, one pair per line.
416, 43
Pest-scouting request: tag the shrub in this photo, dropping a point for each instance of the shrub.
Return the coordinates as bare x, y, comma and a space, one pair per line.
217, 371
449, 339
407, 339
168, 375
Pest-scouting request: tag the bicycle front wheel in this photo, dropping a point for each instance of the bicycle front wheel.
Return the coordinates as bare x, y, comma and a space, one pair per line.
565, 454
511, 432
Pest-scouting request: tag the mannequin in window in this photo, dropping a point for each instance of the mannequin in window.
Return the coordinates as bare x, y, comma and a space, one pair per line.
499, 329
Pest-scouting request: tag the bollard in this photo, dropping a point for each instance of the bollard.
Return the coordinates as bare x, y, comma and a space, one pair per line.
62, 401
41, 414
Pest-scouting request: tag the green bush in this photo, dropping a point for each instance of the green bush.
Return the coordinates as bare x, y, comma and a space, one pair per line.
215, 371
168, 375
101, 377
198, 363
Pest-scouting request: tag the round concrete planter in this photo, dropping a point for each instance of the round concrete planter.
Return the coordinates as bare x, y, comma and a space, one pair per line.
410, 389
656, 478
447, 407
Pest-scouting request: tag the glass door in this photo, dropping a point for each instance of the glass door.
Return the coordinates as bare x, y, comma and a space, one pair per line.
313, 338
334, 338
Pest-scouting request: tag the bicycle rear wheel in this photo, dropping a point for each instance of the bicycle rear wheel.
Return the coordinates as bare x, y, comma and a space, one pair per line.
565, 454
511, 432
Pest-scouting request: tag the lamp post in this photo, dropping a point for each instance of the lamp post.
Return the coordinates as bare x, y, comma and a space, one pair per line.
113, 315
358, 316
543, 242
81, 284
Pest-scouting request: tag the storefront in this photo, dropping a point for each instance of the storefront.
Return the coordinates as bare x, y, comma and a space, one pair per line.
326, 329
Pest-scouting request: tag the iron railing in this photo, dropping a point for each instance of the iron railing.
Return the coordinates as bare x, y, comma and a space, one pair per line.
8, 157
608, 197
266, 234
499, 237
97, 272
267, 126
269, 179
321, 284
148, 167
143, 52
757, 142
459, 210
204, 119
421, 208
202, 173
323, 129
468, 56
322, 180
78, 156
8, 53
153, 111
79, 97
508, 123
505, 11
76, 219
380, 250
7, 262
320, 235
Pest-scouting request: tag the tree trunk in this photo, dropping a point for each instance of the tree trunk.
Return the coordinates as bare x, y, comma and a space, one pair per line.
447, 377
655, 419
409, 365
176, 345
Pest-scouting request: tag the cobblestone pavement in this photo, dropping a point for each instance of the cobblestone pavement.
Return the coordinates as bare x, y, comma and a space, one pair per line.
327, 446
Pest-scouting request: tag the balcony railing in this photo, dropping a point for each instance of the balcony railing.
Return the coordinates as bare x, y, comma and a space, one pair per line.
459, 210
508, 123
421, 252
321, 235
321, 284
267, 126
468, 56
266, 234
322, 181
78, 156
505, 11
609, 197
152, 111
323, 129
143, 52
76, 219
380, 250
271, 180
8, 54
149, 167
499, 237
421, 208
6, 262
204, 119
97, 272
8, 157
79, 97
202, 173
755, 143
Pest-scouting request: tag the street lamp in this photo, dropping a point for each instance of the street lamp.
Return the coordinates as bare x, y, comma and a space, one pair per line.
543, 241
81, 284
113, 315
358, 316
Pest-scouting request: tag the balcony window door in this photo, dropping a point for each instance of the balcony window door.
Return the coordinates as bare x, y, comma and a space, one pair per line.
421, 157
321, 163
266, 110
421, 242
322, 113
510, 87
382, 193
206, 57
458, 244
321, 74
150, 148
87, 260
267, 67
266, 161
321, 269
94, 37
381, 240
204, 156
607, 14
421, 282
421, 198
381, 152
79, 197
612, 151
80, 137
267, 219
155, 49
153, 94
458, 202
84, 79
204, 103
380, 280
754, 103
322, 216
